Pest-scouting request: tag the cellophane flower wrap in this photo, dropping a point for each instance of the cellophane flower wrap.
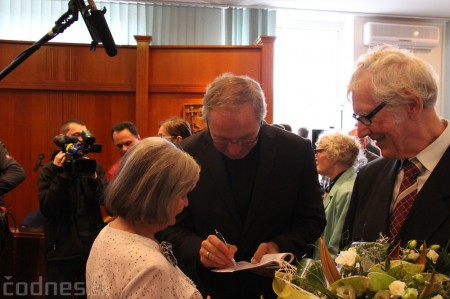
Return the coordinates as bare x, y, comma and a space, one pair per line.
369, 270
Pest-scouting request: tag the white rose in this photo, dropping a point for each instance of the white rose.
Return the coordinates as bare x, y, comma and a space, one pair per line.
432, 255
397, 288
412, 256
346, 258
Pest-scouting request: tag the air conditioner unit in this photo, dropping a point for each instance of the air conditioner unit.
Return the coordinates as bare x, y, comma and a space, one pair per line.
404, 36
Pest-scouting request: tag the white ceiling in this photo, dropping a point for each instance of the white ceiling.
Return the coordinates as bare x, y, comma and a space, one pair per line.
409, 8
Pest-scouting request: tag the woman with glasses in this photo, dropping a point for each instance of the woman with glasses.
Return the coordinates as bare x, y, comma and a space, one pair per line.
338, 156
174, 129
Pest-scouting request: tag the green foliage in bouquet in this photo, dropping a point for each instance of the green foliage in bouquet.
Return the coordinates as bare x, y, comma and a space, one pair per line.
370, 270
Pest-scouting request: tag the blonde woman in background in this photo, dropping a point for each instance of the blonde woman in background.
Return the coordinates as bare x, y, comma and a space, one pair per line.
338, 157
149, 190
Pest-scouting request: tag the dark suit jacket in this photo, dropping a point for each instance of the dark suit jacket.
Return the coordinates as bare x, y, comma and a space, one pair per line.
285, 208
368, 214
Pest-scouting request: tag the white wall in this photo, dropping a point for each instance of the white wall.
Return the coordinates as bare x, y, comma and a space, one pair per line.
435, 57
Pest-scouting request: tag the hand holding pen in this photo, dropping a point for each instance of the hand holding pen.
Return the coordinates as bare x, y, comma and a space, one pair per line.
220, 236
215, 252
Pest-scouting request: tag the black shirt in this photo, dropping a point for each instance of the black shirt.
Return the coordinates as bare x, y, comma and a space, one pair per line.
241, 176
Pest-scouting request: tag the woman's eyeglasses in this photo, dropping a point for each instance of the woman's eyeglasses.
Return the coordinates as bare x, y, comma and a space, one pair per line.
319, 150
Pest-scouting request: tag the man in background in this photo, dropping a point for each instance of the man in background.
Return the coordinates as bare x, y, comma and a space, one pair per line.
364, 143
124, 136
303, 132
258, 186
405, 194
70, 204
11, 173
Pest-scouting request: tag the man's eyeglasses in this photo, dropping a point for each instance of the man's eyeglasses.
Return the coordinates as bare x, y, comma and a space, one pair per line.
241, 141
367, 119
226, 142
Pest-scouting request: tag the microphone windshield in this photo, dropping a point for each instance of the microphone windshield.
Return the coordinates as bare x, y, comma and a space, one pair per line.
97, 26
98, 22
61, 141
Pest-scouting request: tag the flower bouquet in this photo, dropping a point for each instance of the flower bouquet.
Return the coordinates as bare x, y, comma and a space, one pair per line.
369, 270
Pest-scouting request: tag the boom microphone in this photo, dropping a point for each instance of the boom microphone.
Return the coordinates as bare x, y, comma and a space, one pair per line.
38, 162
97, 26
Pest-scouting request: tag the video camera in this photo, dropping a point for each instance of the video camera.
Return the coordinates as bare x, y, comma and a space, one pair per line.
75, 162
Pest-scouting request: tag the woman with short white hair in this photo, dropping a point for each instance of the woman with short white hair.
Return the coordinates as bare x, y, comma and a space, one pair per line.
338, 156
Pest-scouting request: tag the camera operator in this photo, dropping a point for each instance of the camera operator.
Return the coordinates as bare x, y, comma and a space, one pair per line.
11, 173
71, 206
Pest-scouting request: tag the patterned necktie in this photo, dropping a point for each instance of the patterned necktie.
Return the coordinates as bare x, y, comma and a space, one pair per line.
405, 198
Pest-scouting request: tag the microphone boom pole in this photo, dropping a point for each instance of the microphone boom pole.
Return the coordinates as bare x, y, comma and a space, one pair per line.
97, 26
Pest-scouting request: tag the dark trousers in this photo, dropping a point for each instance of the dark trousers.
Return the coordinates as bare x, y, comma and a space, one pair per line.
66, 279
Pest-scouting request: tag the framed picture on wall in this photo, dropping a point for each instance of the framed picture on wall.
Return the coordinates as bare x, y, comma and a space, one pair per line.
193, 114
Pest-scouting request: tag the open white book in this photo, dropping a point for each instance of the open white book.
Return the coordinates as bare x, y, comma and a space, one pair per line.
270, 260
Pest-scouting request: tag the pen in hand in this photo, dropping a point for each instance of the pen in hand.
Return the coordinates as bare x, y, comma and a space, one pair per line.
220, 236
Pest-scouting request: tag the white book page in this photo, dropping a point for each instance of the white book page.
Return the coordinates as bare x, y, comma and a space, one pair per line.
270, 260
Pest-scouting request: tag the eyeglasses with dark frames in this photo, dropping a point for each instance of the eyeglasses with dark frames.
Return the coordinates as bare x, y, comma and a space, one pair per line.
240, 141
367, 119
319, 150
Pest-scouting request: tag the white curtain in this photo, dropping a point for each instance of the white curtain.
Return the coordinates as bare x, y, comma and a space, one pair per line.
30, 20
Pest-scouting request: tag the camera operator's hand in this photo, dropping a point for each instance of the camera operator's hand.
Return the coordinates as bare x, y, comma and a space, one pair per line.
59, 159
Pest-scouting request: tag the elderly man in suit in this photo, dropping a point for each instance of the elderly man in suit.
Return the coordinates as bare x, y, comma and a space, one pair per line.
258, 186
393, 94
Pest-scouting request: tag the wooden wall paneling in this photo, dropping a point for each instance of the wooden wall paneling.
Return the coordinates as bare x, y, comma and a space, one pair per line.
267, 54
56, 83
179, 75
28, 120
191, 69
165, 105
144, 84
69, 67
177, 71
142, 66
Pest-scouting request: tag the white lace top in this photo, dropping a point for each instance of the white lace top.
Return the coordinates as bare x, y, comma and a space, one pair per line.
126, 265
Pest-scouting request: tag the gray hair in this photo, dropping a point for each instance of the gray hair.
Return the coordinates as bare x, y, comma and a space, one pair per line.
230, 92
396, 75
346, 149
152, 174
